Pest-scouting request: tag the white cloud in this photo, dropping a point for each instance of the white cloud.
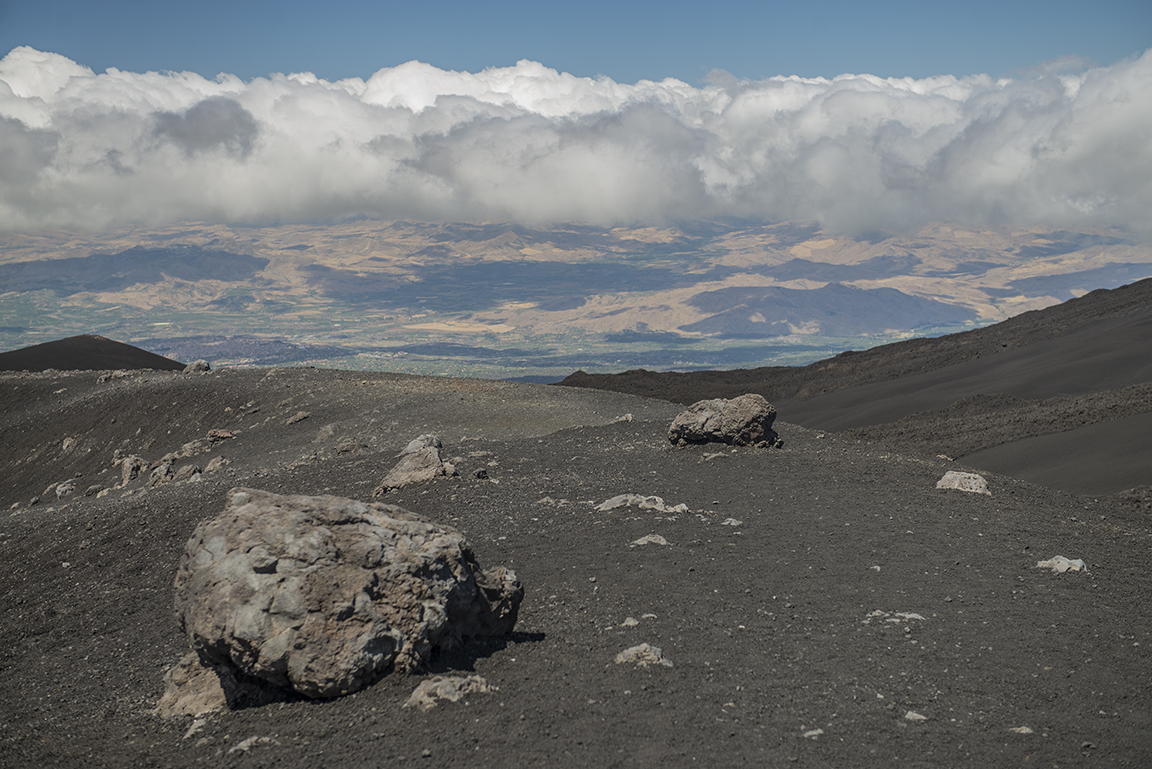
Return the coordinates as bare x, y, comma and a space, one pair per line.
856, 153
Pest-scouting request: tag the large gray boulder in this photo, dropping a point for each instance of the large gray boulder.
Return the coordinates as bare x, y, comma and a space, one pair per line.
323, 595
743, 421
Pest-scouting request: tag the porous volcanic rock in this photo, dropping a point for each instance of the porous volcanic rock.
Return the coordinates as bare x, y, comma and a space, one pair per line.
324, 595
447, 688
743, 421
970, 482
419, 461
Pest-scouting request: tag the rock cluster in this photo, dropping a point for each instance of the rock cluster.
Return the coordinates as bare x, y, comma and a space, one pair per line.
323, 595
743, 421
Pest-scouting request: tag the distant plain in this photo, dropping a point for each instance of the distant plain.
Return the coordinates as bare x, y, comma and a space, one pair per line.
502, 300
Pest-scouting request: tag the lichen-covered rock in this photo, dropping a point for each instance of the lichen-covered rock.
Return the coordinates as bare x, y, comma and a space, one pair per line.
197, 367
743, 421
323, 595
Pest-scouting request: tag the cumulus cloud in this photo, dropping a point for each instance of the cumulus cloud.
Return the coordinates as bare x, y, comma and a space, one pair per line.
213, 124
1062, 144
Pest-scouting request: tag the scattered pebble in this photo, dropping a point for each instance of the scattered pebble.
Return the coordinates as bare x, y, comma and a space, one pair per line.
1021, 730
912, 715
813, 734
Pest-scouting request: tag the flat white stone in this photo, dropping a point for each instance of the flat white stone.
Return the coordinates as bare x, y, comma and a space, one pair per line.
970, 482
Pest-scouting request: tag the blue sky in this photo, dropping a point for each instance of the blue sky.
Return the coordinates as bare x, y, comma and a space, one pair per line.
627, 41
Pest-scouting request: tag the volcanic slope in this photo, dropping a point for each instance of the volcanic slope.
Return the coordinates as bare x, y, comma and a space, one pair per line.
87, 352
822, 604
1060, 396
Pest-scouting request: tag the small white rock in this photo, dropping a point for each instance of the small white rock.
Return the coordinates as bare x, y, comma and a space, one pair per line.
1021, 730
642, 502
1061, 564
971, 482
643, 655
251, 742
446, 688
813, 734
195, 728
651, 539
912, 715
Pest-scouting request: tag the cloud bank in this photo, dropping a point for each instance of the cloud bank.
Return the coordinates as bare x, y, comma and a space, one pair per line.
527, 143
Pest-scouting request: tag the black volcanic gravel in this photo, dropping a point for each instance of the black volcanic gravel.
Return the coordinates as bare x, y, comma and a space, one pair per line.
826, 589
1060, 396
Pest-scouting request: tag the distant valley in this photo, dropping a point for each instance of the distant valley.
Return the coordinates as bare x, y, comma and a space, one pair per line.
505, 300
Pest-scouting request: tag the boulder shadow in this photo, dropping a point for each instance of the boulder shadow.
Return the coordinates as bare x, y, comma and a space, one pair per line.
463, 658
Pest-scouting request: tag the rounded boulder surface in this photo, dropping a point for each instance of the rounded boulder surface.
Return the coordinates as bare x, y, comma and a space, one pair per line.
324, 595
743, 421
